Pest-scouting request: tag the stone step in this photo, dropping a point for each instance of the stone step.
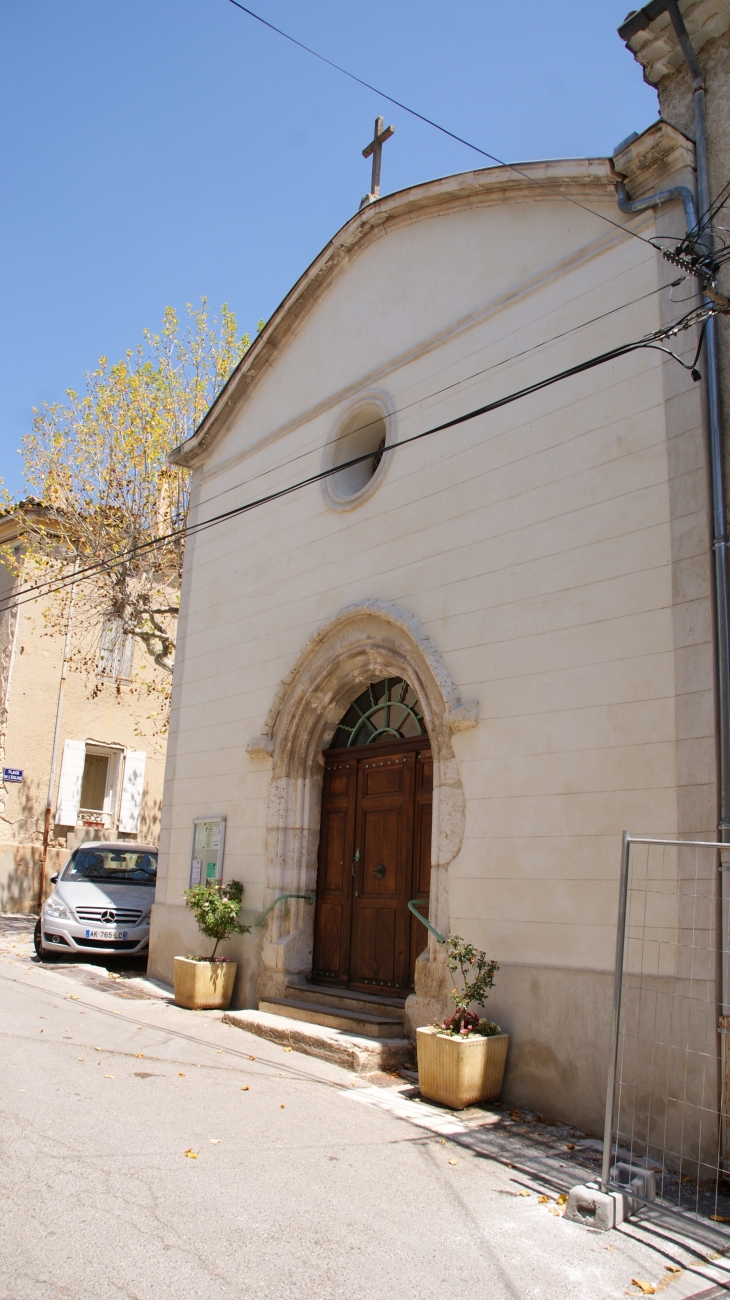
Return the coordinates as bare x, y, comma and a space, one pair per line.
362, 1023
352, 1052
375, 1004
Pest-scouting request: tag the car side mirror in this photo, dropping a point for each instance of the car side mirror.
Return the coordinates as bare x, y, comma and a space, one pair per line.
54, 877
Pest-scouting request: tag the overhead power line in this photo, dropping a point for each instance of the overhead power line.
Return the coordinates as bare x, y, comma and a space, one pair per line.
129, 553
651, 341
466, 379
437, 126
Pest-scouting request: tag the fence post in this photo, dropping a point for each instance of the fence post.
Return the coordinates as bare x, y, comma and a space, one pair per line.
617, 981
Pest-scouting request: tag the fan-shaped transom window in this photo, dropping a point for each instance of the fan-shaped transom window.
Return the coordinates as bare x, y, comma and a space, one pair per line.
386, 710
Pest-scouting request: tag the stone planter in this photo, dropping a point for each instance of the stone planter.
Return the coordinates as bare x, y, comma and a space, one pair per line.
460, 1071
204, 985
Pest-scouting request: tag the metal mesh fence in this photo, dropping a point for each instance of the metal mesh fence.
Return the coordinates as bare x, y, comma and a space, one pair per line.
665, 1125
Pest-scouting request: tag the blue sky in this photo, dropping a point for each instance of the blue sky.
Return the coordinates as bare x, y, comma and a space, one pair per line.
158, 150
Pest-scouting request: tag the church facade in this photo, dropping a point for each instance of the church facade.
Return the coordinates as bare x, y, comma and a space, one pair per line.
452, 672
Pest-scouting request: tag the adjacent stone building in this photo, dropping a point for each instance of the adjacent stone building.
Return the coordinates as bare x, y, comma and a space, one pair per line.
110, 757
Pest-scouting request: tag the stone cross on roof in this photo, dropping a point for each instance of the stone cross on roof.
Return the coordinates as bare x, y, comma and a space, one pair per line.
376, 149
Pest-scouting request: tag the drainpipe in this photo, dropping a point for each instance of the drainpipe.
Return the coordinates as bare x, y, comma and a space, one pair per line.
54, 751
655, 201
639, 22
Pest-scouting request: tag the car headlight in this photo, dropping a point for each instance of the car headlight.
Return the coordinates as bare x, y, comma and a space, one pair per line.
56, 909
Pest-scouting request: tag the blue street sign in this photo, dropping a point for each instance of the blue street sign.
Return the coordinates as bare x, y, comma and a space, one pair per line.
11, 774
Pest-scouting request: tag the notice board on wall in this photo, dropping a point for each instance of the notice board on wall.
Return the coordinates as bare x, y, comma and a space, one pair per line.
209, 835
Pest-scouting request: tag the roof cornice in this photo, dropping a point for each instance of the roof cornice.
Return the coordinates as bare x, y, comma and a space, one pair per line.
583, 178
650, 35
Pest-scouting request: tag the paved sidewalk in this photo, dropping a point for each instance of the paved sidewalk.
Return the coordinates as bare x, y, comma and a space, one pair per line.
151, 1152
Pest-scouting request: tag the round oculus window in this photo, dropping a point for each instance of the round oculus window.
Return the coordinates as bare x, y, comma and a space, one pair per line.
361, 439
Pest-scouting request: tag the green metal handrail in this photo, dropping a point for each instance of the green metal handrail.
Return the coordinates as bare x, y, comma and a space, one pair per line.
308, 898
422, 919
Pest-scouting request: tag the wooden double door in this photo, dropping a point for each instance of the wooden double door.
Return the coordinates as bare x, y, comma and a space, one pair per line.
374, 856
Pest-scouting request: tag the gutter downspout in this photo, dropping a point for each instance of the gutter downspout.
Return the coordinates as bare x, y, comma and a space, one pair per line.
719, 547
54, 752
719, 526
712, 389
656, 200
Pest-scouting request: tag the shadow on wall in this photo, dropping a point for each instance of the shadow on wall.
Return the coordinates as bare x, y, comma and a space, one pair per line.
30, 806
149, 822
20, 873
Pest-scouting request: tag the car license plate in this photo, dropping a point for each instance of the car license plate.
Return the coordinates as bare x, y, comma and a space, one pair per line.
106, 934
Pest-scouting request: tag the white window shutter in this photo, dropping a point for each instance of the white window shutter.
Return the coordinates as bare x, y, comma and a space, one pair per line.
126, 656
69, 785
132, 787
107, 648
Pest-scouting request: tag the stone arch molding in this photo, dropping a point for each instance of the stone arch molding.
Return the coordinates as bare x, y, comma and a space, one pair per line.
363, 642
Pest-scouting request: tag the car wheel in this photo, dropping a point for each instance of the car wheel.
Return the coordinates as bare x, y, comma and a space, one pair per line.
40, 951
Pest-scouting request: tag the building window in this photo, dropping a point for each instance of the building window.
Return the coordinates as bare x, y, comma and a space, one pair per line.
94, 783
386, 710
363, 437
100, 785
116, 652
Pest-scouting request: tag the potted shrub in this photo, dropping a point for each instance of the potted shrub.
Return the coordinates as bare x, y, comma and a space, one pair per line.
462, 1059
203, 983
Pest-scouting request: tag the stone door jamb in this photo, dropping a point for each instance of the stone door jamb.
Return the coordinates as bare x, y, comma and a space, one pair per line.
361, 644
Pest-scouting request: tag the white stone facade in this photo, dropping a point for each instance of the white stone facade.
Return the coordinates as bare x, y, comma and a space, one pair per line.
541, 575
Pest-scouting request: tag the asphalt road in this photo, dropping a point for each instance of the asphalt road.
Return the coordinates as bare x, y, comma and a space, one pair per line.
146, 1154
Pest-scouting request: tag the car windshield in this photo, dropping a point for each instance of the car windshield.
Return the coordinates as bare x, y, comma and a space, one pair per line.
125, 867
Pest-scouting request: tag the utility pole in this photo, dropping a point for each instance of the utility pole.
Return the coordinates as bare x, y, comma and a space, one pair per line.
54, 751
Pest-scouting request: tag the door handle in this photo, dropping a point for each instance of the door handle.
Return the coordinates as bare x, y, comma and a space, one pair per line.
379, 871
355, 860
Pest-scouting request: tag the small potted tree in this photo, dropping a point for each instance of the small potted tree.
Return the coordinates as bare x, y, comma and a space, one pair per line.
204, 983
462, 1059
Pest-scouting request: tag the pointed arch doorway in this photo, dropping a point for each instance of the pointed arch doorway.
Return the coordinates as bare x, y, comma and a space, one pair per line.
375, 842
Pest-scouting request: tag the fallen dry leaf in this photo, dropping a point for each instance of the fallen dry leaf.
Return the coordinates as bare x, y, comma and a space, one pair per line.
191, 1155
215, 1141
244, 1088
570, 1146
524, 1193
98, 1049
282, 1106
673, 1268
218, 1051
252, 1058
553, 1210
543, 1200
180, 1074
716, 1218
288, 1049
108, 1076
74, 997
646, 1288
139, 1056
561, 1199
453, 1162
79, 1058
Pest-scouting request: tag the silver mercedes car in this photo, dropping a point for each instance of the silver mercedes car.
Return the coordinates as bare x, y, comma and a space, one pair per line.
101, 902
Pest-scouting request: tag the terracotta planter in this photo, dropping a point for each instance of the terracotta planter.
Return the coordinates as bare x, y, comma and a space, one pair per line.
460, 1071
204, 985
